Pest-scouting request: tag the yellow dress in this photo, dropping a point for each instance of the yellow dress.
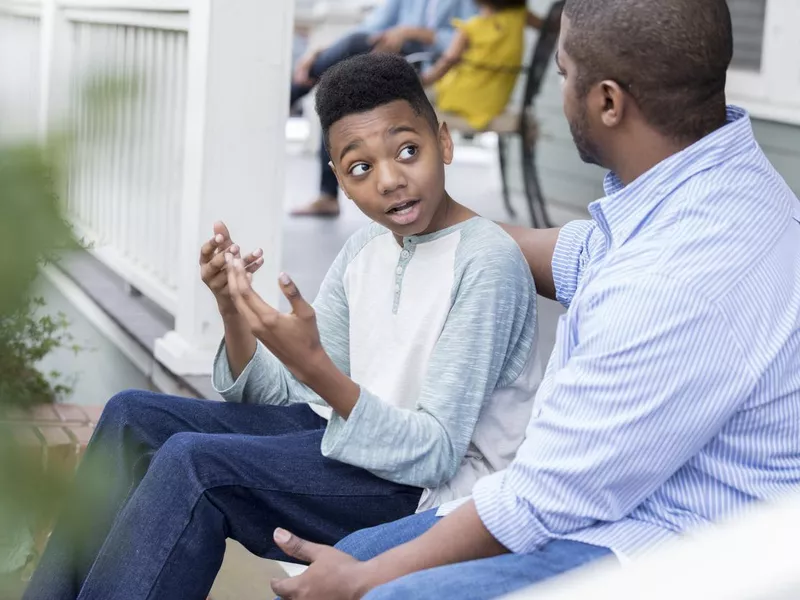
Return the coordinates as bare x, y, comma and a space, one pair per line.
480, 85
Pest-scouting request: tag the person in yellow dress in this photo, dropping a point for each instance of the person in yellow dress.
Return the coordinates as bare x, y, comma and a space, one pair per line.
476, 76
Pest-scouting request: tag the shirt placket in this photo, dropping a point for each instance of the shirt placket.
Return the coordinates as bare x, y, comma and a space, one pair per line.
402, 265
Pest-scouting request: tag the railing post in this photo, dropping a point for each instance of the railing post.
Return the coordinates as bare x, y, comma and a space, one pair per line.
54, 64
237, 105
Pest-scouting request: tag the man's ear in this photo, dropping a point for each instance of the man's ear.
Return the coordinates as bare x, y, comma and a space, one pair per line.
445, 143
339, 179
613, 102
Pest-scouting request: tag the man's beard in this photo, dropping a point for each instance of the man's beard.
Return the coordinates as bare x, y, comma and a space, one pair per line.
579, 128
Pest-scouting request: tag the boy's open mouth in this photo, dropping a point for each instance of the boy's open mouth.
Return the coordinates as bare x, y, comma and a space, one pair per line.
403, 208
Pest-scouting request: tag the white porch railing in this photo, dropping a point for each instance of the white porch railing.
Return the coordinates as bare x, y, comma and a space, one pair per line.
197, 136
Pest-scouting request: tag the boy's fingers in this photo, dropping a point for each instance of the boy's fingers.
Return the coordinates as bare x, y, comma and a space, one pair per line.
207, 250
299, 306
221, 229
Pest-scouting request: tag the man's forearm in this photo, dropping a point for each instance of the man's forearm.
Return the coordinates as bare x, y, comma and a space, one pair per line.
538, 246
423, 35
458, 537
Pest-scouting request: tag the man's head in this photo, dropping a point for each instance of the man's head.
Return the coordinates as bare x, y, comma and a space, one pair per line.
635, 70
386, 145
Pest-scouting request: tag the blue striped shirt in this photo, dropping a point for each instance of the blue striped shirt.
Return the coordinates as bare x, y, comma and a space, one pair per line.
672, 397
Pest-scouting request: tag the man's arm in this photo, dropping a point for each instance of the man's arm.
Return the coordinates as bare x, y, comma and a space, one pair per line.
655, 376
538, 247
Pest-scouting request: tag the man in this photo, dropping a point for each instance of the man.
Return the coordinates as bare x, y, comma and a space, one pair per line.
396, 26
672, 397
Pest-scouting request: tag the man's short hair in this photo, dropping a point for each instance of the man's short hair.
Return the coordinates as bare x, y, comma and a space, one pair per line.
672, 56
365, 82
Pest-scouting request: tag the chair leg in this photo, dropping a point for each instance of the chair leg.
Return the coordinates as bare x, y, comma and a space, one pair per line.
533, 191
502, 148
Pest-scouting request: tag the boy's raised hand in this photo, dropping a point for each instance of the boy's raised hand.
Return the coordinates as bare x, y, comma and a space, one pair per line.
213, 267
292, 337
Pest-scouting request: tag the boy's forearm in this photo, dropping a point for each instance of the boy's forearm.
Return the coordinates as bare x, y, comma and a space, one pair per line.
240, 343
458, 537
538, 247
338, 391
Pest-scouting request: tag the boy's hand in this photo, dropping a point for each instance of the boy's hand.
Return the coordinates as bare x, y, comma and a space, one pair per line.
212, 266
293, 338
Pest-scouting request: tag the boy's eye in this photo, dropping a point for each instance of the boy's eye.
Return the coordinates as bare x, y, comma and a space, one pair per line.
359, 169
408, 152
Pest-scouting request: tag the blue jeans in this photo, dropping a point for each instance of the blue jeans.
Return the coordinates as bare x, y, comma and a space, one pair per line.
166, 480
474, 580
347, 47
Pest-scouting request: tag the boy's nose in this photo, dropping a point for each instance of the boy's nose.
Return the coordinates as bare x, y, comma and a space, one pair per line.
390, 178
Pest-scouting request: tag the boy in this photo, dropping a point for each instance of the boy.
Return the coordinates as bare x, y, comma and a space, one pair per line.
421, 341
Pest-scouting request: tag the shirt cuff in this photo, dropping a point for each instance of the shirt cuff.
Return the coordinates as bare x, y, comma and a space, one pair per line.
223, 382
337, 442
508, 519
569, 257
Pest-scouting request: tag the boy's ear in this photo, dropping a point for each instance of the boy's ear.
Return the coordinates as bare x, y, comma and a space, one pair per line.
339, 179
445, 143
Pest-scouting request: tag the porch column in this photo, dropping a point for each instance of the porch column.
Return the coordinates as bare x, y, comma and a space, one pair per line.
237, 105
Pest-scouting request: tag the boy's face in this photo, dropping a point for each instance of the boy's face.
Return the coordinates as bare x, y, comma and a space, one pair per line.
390, 162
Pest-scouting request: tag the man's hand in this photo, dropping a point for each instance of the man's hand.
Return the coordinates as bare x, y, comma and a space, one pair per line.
212, 266
302, 70
390, 41
333, 575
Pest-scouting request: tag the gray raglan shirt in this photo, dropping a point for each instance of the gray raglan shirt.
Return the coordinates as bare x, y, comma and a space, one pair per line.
440, 334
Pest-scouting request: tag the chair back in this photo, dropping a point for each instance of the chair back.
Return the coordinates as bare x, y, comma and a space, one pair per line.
543, 51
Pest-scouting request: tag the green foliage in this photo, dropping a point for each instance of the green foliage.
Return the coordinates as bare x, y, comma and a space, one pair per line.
25, 339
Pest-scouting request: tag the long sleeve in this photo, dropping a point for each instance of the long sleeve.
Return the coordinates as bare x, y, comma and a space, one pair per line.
654, 376
265, 380
572, 253
486, 341
382, 17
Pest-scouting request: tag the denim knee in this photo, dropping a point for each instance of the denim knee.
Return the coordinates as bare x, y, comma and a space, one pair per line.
126, 408
181, 459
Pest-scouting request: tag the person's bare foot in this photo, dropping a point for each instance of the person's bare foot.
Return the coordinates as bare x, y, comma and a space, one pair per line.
324, 206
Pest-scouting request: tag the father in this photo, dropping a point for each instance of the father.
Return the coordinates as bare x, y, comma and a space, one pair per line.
672, 398
396, 26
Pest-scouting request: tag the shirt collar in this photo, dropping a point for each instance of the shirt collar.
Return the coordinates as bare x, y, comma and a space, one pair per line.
624, 208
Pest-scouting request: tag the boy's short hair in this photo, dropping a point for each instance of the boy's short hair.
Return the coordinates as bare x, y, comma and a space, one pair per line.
365, 82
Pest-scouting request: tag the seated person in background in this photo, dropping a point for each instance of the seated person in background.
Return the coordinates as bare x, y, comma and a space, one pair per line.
410, 379
396, 26
475, 77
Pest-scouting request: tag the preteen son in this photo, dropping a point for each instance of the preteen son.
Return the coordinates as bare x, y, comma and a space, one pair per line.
418, 359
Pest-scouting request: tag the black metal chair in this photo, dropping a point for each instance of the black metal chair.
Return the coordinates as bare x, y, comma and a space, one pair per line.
519, 121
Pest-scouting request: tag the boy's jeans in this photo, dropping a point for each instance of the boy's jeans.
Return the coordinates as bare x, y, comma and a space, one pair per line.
166, 480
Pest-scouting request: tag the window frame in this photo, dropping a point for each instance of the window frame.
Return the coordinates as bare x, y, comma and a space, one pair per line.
774, 92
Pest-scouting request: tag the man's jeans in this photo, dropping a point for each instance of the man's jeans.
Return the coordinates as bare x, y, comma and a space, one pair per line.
474, 580
166, 480
349, 46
